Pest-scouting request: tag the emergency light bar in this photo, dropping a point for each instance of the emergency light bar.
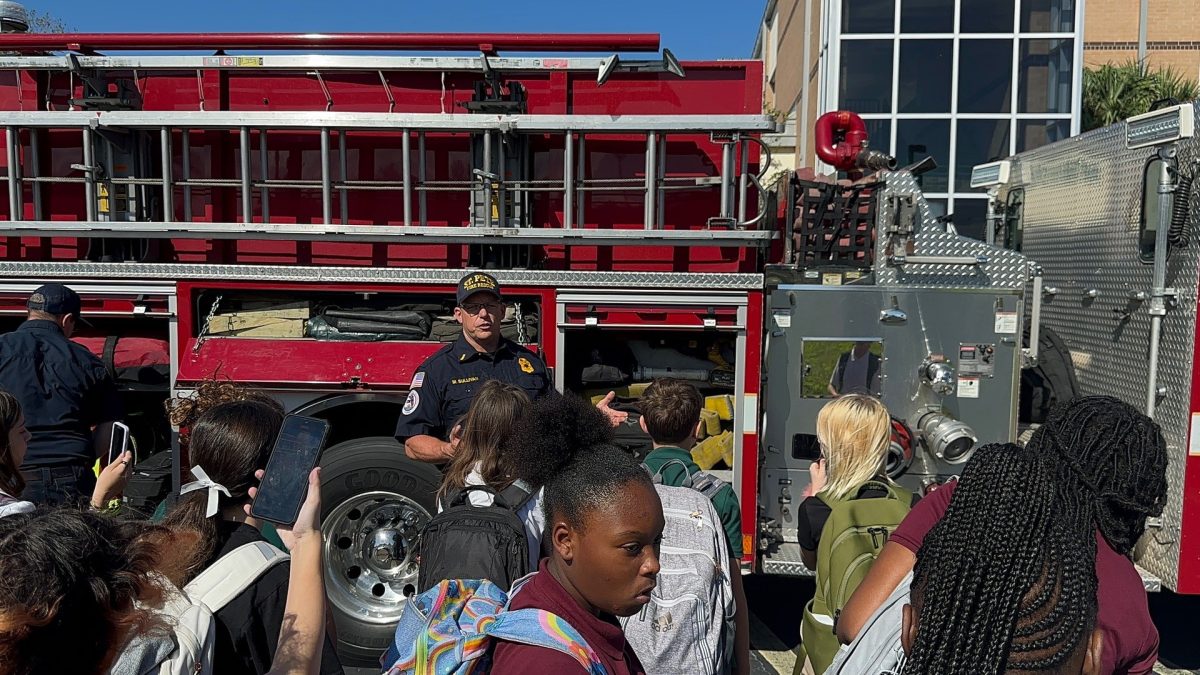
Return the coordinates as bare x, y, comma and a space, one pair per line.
990, 174
1160, 127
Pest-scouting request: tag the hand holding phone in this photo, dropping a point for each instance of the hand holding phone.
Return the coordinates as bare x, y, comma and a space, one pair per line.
285, 480
118, 442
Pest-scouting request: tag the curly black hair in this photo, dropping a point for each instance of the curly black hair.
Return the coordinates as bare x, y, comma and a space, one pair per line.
1111, 464
1003, 581
591, 479
556, 429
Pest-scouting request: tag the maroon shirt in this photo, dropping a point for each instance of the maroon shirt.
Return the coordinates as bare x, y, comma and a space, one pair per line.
1130, 638
602, 633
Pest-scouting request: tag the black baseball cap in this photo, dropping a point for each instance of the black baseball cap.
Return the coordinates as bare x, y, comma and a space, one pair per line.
55, 299
477, 282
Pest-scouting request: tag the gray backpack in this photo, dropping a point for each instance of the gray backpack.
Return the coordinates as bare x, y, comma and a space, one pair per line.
877, 649
687, 627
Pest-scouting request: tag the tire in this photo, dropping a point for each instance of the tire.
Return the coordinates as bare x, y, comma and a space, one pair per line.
370, 493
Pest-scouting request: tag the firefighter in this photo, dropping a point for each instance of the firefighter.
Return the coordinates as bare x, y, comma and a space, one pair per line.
444, 385
68, 398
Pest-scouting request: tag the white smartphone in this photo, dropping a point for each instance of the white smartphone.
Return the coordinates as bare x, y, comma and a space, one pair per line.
118, 443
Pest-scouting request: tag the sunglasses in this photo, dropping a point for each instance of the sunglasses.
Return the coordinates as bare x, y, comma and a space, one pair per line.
474, 308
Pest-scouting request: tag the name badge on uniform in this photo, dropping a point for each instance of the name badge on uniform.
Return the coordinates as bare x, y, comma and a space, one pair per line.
525, 364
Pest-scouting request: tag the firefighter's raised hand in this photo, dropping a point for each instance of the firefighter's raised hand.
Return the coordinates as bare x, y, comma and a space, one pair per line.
615, 417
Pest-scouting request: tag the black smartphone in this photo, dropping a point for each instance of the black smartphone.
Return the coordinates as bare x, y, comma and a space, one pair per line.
285, 480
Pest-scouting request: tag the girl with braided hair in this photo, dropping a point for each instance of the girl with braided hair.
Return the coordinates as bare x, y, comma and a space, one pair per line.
1004, 582
1109, 470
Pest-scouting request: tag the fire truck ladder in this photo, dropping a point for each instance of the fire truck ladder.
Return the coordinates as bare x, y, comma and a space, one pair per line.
730, 227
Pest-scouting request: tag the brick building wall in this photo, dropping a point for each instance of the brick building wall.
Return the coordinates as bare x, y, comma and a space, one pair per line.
1172, 34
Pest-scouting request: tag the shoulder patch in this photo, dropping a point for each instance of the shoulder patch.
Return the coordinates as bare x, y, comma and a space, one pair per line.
417, 380
411, 403
526, 366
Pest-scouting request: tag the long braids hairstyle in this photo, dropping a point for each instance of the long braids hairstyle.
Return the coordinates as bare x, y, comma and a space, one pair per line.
1111, 465
1003, 581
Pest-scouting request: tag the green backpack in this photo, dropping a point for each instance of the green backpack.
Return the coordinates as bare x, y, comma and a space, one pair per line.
852, 538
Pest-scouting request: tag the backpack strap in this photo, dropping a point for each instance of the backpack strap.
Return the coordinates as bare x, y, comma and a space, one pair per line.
233, 573
657, 476
512, 497
462, 496
703, 482
707, 484
518, 494
539, 628
109, 356
839, 371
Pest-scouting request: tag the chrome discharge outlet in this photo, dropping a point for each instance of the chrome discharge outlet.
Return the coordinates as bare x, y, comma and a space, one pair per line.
950, 440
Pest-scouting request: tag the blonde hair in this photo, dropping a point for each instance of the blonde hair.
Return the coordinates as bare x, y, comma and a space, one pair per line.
855, 431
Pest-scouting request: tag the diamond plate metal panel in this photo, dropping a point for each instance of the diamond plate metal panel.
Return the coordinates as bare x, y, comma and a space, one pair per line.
282, 273
1003, 269
786, 561
1082, 202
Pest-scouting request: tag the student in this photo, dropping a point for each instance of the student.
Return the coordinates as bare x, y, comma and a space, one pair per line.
604, 527
854, 432
849, 502
1110, 471
1004, 583
14, 440
229, 442
75, 585
489, 422
543, 439
671, 416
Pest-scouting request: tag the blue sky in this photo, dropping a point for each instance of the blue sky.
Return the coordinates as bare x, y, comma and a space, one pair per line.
695, 29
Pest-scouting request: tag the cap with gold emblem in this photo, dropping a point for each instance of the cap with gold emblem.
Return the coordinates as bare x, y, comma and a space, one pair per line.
477, 282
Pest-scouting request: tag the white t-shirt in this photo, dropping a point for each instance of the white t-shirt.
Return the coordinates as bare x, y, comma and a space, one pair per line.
530, 514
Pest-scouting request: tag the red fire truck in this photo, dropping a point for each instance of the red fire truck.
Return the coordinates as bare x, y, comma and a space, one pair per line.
298, 221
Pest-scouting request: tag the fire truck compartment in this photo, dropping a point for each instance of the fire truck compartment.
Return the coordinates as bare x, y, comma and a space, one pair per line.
334, 337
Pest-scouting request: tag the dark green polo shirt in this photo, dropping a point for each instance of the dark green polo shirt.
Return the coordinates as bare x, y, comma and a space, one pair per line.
725, 501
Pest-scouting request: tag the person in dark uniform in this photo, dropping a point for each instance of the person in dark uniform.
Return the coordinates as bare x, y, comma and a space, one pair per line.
444, 385
67, 396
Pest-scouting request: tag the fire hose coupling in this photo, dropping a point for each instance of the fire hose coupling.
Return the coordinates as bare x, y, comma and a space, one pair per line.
938, 374
948, 439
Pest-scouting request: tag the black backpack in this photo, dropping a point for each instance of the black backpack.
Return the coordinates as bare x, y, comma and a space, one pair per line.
628, 435
149, 484
476, 542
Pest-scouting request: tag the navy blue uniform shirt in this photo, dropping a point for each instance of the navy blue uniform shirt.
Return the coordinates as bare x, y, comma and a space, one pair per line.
446, 382
64, 391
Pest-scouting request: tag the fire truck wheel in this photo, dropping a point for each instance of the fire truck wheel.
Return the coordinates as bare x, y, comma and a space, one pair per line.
375, 502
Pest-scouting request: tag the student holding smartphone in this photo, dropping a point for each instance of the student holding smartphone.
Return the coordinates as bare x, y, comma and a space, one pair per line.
14, 442
228, 444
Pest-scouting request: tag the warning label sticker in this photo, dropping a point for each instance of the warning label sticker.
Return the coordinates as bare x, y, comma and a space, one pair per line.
968, 387
1006, 323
